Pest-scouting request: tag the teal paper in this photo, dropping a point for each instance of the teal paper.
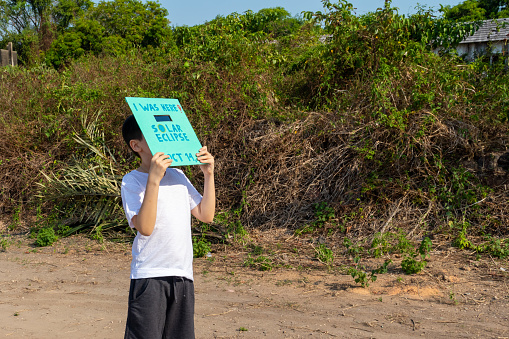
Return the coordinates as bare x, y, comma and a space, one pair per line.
166, 128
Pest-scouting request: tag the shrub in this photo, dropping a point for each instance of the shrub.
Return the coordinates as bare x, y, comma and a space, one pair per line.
46, 237
262, 263
415, 263
200, 247
324, 254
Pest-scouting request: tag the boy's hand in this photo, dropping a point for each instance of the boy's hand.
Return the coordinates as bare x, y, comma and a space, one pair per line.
207, 159
158, 165
207, 206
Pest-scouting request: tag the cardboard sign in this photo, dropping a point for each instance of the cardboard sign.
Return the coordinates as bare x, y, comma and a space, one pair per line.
166, 129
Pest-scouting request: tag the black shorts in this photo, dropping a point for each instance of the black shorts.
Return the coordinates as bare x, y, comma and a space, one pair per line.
160, 308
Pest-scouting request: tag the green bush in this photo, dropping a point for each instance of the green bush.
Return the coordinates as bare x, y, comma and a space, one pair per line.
498, 248
4, 244
413, 264
389, 243
324, 254
200, 247
262, 263
46, 237
360, 275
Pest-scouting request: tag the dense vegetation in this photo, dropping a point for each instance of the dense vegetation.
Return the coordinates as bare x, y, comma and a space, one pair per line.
471, 10
329, 124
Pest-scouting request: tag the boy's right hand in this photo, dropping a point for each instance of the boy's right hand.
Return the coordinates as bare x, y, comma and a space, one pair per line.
158, 165
145, 220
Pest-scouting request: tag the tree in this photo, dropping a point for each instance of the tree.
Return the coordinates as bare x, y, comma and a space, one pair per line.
493, 7
27, 25
32, 24
85, 36
468, 10
139, 24
111, 27
66, 10
472, 10
276, 21
504, 13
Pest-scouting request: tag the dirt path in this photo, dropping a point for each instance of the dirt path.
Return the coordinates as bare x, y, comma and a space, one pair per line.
78, 289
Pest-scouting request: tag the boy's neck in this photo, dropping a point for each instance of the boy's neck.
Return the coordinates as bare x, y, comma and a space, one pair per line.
143, 168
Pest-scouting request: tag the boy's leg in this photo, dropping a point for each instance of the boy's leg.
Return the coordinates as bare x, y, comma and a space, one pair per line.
180, 312
147, 309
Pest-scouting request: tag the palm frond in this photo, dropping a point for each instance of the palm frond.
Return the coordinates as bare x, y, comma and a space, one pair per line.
88, 189
92, 138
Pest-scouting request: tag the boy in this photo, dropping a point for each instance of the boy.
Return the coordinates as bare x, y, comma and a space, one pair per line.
158, 201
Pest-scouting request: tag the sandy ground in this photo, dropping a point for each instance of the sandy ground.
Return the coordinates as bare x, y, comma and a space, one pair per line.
78, 289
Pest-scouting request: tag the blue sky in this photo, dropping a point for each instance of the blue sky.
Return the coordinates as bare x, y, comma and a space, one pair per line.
198, 11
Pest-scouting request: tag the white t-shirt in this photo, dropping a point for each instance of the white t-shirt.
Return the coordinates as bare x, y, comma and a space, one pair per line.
168, 251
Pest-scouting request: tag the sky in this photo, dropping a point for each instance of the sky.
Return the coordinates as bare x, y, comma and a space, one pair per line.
196, 12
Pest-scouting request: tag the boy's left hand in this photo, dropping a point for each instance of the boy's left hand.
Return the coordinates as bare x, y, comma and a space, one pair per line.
206, 159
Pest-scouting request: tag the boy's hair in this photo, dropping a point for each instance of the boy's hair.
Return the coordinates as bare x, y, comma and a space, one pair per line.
130, 131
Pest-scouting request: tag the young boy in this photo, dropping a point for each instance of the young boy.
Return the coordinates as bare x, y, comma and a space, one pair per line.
158, 201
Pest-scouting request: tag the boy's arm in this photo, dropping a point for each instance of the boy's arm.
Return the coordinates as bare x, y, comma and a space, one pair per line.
145, 220
206, 208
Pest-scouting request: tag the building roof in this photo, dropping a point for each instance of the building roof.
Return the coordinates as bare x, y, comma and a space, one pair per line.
488, 31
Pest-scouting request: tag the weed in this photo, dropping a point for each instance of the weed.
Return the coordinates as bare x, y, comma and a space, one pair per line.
425, 247
324, 254
381, 244
461, 190
404, 245
97, 234
64, 230
255, 249
305, 229
383, 269
351, 248
242, 329
15, 218
324, 215
389, 243
200, 247
413, 264
46, 237
496, 247
452, 297
261, 263
4, 244
360, 275
461, 240
231, 222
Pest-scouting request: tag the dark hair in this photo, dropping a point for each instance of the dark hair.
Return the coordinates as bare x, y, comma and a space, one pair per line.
130, 131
